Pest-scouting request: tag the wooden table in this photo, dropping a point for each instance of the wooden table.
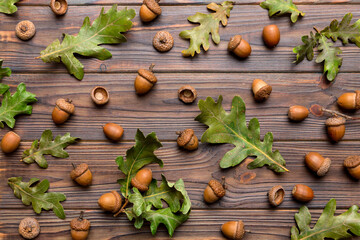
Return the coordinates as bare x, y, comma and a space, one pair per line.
213, 73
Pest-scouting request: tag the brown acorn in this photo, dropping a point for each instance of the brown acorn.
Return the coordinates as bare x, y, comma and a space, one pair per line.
59, 7
187, 139
80, 227
142, 179
10, 142
29, 228
350, 101
271, 35
113, 131
62, 110
187, 94
335, 128
145, 80
81, 174
276, 195
352, 164
239, 46
261, 90
214, 191
298, 113
25, 30
110, 202
233, 230
149, 10
302, 193
317, 163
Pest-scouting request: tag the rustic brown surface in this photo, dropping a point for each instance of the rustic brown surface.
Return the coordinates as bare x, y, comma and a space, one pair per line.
212, 74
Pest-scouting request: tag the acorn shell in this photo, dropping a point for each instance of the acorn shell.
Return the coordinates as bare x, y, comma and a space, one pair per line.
100, 95
153, 6
276, 195
59, 7
80, 224
187, 94
163, 41
29, 228
25, 30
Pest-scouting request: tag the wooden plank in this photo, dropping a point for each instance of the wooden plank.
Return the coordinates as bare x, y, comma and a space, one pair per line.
265, 224
182, 2
138, 51
246, 189
161, 107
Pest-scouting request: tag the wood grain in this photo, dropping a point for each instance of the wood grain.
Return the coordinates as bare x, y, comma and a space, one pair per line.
138, 52
161, 107
246, 189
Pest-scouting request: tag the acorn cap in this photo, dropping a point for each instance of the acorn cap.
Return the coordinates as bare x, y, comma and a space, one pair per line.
234, 42
217, 188
79, 224
357, 100
240, 230
59, 7
25, 30
138, 185
163, 41
79, 170
352, 161
148, 75
187, 94
185, 137
29, 228
153, 6
276, 195
65, 105
335, 121
263, 93
100, 95
324, 168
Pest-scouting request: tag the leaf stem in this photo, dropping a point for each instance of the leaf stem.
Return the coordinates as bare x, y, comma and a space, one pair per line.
316, 29
122, 208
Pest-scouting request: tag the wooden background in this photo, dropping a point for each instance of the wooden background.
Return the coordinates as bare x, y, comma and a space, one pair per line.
212, 73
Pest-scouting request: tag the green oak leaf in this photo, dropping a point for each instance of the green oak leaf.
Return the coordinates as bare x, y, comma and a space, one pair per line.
174, 194
4, 72
34, 192
106, 29
329, 55
209, 23
3, 88
281, 7
8, 6
344, 30
328, 226
46, 146
155, 217
15, 104
137, 157
307, 49
231, 128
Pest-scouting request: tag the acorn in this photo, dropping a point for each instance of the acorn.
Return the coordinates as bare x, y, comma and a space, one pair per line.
100, 95
62, 110
187, 139
187, 94
10, 142
302, 193
276, 195
271, 35
214, 191
59, 7
163, 41
142, 179
145, 80
113, 131
233, 230
149, 10
350, 101
352, 164
25, 30
80, 227
317, 163
261, 90
29, 228
335, 128
81, 174
110, 202
298, 113
239, 46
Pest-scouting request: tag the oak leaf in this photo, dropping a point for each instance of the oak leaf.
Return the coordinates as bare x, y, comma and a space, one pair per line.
281, 7
34, 193
231, 128
4, 72
8, 6
106, 29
